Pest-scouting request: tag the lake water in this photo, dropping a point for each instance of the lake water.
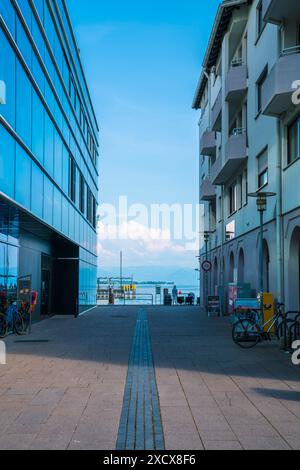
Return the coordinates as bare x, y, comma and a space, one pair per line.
146, 292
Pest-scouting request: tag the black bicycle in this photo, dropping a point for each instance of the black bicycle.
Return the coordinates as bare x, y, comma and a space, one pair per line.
250, 329
11, 321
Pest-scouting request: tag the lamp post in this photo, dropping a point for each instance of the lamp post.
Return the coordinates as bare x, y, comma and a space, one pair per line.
206, 236
261, 202
199, 272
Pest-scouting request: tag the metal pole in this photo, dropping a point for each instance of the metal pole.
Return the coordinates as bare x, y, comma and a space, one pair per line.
261, 265
200, 281
121, 270
121, 275
206, 275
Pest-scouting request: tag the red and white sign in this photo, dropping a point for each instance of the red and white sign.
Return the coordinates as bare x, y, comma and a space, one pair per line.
206, 266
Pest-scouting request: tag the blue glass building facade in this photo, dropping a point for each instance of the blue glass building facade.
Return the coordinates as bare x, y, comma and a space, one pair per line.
48, 158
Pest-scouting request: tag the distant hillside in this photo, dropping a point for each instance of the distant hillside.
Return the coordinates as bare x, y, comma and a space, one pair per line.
180, 276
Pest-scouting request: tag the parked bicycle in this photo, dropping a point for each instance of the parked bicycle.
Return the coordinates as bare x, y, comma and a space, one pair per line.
250, 329
11, 321
25, 312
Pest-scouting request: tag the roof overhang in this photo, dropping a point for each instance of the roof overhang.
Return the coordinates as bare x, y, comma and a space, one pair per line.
221, 23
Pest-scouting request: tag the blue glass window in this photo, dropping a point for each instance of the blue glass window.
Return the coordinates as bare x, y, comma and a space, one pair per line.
65, 216
49, 145
8, 13
37, 183
7, 74
24, 44
58, 159
7, 162
294, 141
23, 177
39, 5
57, 209
48, 201
38, 38
26, 11
65, 170
23, 105
38, 74
38, 131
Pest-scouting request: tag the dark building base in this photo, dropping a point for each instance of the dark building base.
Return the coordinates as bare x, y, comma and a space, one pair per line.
30, 248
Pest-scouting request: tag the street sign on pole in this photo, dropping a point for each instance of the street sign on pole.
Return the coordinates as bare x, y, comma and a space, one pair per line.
206, 266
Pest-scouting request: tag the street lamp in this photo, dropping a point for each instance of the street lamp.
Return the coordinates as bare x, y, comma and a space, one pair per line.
261, 202
206, 236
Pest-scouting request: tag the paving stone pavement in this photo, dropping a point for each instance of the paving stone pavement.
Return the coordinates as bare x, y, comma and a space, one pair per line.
214, 395
68, 393
140, 423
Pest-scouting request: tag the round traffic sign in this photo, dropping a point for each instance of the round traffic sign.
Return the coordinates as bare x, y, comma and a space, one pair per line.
206, 266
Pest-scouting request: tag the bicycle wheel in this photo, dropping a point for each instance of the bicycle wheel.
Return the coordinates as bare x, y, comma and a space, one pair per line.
3, 326
245, 333
26, 320
18, 324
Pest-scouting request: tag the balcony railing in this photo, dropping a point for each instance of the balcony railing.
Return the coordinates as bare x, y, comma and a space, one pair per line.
237, 62
207, 190
290, 51
208, 143
278, 87
239, 131
235, 156
215, 170
216, 113
236, 82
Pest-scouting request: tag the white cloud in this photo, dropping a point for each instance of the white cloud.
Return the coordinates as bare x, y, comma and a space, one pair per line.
141, 245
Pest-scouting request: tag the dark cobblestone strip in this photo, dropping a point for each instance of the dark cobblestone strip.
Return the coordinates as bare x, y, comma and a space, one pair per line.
140, 423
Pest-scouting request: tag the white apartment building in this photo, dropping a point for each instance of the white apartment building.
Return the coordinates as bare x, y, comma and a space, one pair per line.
249, 141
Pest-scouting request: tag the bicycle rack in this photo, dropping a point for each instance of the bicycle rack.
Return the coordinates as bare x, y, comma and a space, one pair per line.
294, 332
285, 327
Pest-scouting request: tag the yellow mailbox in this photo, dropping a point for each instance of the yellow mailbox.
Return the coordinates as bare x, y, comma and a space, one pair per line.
269, 309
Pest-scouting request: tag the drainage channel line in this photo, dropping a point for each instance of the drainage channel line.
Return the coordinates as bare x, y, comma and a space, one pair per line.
140, 423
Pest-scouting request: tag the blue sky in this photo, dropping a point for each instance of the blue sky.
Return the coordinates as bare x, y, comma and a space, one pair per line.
142, 60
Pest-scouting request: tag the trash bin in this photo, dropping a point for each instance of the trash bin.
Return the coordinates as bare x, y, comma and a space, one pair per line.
168, 300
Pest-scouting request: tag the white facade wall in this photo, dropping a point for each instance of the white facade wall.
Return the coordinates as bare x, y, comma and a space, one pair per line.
262, 133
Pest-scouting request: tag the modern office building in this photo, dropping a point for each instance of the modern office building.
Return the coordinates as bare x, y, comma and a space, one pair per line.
48, 159
249, 141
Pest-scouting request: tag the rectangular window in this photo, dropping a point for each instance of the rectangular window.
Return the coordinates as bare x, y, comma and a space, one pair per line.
72, 179
81, 194
240, 192
294, 141
263, 171
245, 188
72, 91
259, 86
94, 213
232, 194
219, 209
89, 205
260, 19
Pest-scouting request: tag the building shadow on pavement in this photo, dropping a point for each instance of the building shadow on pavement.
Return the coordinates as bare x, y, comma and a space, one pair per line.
286, 395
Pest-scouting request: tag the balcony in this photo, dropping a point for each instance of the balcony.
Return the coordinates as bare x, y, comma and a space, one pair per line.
277, 11
235, 156
277, 89
236, 82
215, 170
208, 144
216, 114
207, 190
